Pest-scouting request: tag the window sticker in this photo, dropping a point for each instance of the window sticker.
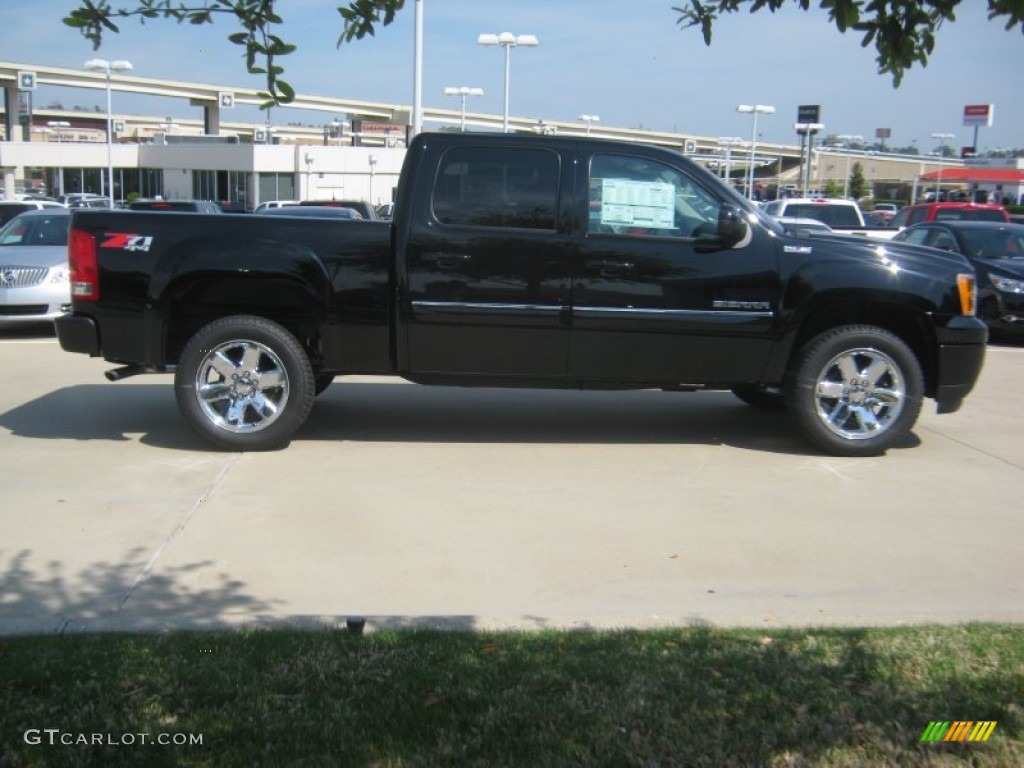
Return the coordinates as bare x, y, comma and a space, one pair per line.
650, 204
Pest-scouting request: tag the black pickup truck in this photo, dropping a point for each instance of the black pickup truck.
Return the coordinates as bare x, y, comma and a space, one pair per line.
527, 261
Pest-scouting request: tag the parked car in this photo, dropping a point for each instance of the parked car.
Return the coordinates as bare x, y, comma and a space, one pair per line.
996, 250
179, 206
274, 204
232, 206
321, 211
71, 198
915, 214
889, 208
842, 216
794, 225
361, 206
11, 208
34, 278
385, 211
877, 218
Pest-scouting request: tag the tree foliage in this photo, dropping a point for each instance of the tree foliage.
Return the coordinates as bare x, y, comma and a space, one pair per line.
258, 19
858, 185
902, 31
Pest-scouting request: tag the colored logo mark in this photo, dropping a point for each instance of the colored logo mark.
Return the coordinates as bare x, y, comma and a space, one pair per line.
958, 730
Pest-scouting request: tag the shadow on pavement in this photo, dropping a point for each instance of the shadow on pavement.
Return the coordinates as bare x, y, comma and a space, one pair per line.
387, 412
45, 598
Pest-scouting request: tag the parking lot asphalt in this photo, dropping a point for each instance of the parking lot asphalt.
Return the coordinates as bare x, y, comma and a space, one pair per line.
416, 506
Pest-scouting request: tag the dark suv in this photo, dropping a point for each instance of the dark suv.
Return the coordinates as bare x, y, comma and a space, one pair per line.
361, 207
183, 206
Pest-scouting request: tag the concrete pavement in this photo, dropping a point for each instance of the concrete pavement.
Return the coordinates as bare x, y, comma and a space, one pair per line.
417, 506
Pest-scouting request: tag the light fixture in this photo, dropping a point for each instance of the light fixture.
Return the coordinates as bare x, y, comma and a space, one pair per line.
107, 67
508, 41
942, 137
463, 91
588, 119
755, 110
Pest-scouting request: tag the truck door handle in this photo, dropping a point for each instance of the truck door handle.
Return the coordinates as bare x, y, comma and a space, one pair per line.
445, 259
609, 267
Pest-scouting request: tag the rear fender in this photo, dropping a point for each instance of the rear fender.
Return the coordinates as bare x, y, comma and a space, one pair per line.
215, 277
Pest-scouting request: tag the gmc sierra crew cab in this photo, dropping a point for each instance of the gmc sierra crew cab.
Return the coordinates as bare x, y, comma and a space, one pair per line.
527, 261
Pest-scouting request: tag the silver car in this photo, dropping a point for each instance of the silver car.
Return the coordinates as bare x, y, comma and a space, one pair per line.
34, 277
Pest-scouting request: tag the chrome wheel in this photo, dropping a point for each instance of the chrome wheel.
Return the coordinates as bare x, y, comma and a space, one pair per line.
855, 390
859, 394
241, 386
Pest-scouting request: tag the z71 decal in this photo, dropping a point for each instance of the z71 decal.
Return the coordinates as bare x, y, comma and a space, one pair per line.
126, 241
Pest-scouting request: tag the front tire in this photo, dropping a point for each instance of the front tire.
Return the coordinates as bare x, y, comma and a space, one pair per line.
855, 390
244, 383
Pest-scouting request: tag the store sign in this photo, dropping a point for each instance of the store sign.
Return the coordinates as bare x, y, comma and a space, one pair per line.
808, 113
979, 114
24, 107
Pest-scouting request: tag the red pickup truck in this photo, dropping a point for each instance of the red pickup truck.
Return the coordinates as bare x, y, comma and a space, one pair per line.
915, 214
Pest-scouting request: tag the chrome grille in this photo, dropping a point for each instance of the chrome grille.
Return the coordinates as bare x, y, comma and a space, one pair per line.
21, 277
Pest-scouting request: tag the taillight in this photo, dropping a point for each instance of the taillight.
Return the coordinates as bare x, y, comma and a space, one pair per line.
85, 274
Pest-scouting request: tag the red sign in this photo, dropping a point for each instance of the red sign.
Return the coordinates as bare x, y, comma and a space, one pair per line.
978, 114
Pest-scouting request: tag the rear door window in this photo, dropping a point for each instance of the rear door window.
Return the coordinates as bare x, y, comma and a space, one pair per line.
510, 187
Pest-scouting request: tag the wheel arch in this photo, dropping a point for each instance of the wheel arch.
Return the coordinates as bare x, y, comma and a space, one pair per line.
195, 301
203, 279
905, 321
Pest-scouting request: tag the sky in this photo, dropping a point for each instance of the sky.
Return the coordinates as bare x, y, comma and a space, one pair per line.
626, 61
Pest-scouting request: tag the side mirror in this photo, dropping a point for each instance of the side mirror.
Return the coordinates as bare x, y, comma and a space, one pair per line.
732, 225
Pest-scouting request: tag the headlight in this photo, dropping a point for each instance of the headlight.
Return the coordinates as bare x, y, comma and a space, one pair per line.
1006, 285
60, 275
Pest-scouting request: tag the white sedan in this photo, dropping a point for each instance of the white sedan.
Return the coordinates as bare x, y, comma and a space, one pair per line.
34, 278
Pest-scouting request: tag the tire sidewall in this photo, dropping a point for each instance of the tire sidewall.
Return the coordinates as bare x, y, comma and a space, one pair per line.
287, 349
801, 388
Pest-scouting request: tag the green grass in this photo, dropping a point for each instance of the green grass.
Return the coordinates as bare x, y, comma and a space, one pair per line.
694, 697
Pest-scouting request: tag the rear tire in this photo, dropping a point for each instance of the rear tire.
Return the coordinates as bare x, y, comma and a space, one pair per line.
855, 390
244, 383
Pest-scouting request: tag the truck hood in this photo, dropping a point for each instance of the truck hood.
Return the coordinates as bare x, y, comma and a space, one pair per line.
904, 256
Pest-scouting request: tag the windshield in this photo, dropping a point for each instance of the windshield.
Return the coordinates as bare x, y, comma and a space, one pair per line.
995, 244
970, 214
36, 230
833, 215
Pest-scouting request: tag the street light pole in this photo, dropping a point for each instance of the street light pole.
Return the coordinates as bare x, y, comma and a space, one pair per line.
588, 119
373, 166
417, 71
102, 65
309, 178
729, 142
942, 137
339, 127
755, 110
463, 91
508, 41
846, 181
